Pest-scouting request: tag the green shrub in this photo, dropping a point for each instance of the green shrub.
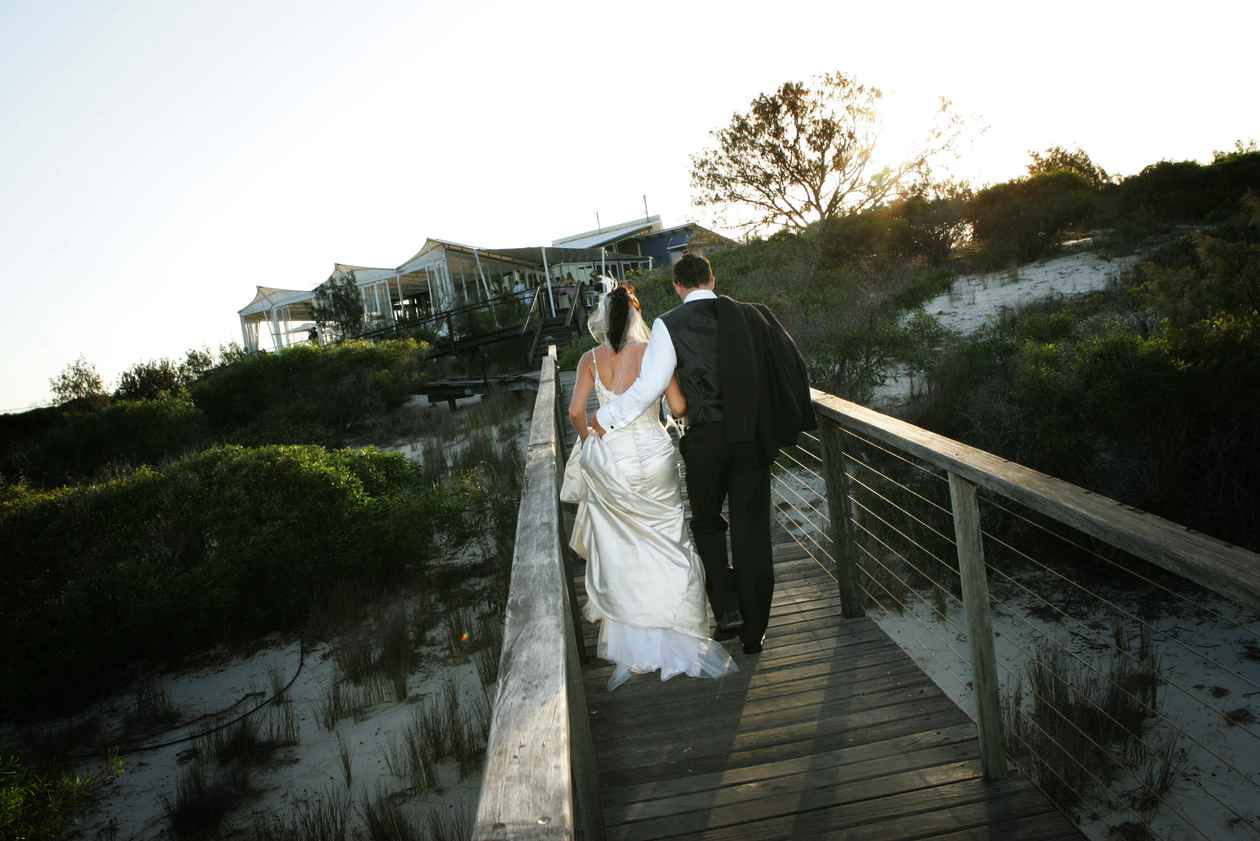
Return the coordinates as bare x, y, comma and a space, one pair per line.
914, 229
319, 392
218, 546
1022, 220
124, 433
1186, 191
149, 380
38, 806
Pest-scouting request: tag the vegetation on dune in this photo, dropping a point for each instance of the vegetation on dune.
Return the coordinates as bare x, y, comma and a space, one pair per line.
37, 804
1145, 392
161, 410
219, 546
309, 394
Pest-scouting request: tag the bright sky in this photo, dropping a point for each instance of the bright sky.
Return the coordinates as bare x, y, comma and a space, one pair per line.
161, 159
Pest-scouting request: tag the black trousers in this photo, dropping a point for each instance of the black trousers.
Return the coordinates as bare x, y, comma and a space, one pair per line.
737, 474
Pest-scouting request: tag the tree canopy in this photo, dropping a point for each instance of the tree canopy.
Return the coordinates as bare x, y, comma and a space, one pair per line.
339, 306
77, 380
1056, 159
806, 153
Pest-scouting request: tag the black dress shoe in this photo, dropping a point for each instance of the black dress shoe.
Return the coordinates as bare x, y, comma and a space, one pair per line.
754, 647
728, 625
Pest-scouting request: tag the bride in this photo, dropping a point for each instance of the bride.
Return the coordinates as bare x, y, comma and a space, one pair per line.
644, 581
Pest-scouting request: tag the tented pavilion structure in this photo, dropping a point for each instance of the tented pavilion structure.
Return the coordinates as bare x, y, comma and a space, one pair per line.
289, 314
278, 309
460, 275
457, 275
442, 276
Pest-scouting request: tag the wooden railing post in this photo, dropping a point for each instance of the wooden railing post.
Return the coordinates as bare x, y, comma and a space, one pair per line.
975, 591
841, 532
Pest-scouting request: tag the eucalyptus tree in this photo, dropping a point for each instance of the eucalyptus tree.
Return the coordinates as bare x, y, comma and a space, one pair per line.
808, 152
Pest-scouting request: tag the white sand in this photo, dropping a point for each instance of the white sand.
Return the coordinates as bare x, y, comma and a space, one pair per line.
134, 803
978, 299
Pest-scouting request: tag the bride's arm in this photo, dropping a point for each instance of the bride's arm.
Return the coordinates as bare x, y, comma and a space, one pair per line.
581, 393
674, 396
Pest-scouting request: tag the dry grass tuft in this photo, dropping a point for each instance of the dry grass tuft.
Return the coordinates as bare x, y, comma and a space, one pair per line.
384, 819
203, 798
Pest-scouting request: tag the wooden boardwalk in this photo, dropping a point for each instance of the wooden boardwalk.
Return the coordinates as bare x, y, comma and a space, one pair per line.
831, 732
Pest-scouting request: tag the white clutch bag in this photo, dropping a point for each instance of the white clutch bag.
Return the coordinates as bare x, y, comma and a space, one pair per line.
573, 488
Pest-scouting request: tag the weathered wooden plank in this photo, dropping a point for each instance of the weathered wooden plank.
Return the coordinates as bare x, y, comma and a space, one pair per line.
913, 814
874, 751
796, 796
662, 771
613, 728
804, 734
785, 786
812, 707
1219, 566
975, 589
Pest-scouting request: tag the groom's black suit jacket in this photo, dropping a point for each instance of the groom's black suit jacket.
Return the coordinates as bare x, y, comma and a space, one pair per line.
764, 382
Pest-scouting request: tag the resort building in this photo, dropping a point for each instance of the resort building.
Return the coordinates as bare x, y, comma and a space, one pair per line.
445, 276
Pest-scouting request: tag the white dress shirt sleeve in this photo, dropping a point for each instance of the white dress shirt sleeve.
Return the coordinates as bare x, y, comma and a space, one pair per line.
659, 361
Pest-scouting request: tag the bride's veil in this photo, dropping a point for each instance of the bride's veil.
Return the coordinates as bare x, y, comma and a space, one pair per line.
597, 323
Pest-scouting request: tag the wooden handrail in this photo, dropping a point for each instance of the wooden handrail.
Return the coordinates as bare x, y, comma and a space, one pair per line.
539, 780
1221, 567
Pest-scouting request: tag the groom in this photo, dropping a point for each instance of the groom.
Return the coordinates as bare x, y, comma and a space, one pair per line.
747, 395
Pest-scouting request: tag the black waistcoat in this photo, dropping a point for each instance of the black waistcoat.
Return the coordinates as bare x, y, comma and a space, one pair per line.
693, 327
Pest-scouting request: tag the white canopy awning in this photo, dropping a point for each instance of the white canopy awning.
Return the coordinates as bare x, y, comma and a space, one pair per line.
267, 298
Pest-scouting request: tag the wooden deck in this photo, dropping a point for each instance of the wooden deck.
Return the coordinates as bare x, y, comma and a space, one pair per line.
831, 732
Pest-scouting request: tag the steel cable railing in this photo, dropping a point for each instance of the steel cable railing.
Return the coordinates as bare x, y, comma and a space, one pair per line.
1122, 652
891, 544
1128, 614
1187, 600
965, 661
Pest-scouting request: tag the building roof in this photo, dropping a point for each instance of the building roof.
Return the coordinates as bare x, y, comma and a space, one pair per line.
696, 226
557, 255
431, 244
612, 233
268, 297
363, 275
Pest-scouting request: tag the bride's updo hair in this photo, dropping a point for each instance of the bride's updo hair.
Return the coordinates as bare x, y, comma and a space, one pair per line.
620, 300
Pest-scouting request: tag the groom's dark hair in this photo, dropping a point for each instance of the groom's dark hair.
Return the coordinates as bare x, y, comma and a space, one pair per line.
692, 271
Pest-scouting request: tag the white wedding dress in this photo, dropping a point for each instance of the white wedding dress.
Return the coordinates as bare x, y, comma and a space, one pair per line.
644, 581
